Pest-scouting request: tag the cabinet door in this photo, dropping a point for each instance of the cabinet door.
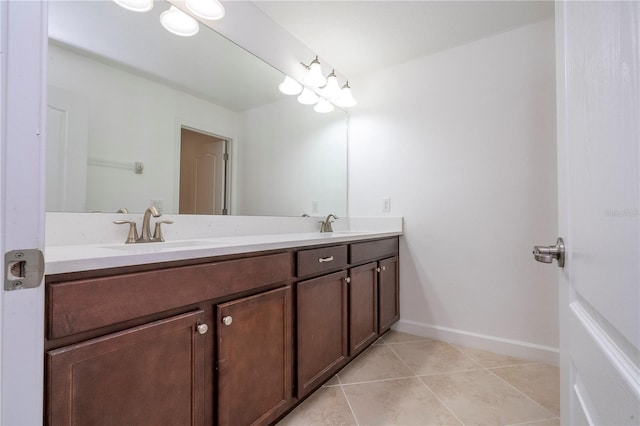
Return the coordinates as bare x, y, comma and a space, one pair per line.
389, 293
151, 374
363, 307
322, 329
254, 358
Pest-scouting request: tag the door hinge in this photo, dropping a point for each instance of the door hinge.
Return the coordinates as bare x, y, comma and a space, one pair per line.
23, 269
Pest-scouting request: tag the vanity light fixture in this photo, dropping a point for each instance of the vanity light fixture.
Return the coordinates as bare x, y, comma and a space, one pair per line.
346, 99
206, 9
324, 93
332, 89
307, 97
314, 77
323, 106
290, 87
179, 23
136, 5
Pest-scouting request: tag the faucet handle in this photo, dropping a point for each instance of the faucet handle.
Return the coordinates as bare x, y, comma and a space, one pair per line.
132, 237
157, 232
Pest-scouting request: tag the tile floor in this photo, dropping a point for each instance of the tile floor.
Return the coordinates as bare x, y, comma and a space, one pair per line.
409, 380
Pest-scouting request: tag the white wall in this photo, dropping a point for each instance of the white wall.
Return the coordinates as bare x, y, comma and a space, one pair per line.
291, 157
133, 119
463, 141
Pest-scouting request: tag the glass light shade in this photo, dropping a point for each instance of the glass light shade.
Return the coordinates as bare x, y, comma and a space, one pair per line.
179, 23
207, 9
136, 5
332, 89
290, 87
346, 99
307, 97
323, 106
314, 75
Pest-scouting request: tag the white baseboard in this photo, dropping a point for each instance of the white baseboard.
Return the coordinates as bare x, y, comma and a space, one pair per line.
484, 342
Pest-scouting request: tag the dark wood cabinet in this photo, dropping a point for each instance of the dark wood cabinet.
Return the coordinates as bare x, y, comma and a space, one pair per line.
151, 374
237, 340
388, 291
322, 329
363, 307
254, 359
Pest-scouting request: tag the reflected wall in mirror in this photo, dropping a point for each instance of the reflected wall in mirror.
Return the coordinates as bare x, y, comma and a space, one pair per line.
121, 89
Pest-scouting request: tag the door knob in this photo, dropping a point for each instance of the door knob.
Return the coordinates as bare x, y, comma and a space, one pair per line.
227, 320
202, 328
546, 254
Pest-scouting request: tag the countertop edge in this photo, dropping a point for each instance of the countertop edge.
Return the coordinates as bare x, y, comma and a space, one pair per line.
68, 259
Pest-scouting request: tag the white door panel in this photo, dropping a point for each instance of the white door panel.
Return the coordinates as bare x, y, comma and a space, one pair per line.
23, 35
67, 136
598, 91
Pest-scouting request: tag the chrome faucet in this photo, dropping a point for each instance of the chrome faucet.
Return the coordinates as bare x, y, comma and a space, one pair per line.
325, 225
133, 238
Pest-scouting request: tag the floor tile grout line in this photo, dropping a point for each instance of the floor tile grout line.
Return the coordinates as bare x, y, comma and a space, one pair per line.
409, 341
441, 401
378, 380
353, 413
467, 355
527, 362
533, 422
526, 396
518, 365
428, 388
402, 361
489, 370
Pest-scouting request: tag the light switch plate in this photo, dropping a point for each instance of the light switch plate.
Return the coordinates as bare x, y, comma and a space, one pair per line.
386, 204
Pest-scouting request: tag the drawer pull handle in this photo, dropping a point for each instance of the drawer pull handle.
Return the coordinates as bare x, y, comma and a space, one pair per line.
325, 259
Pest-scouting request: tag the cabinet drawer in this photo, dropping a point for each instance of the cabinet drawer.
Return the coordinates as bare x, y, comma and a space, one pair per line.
320, 260
83, 305
370, 250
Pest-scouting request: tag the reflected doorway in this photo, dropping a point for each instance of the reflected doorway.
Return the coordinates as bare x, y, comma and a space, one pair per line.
204, 167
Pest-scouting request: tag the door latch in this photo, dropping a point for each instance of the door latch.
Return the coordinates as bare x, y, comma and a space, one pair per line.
546, 254
23, 269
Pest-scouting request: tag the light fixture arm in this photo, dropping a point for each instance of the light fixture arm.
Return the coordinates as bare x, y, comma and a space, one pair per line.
311, 63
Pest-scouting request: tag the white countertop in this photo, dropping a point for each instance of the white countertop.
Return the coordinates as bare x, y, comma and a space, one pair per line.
85, 257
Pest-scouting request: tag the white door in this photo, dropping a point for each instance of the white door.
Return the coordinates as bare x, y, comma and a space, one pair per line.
598, 89
23, 37
67, 136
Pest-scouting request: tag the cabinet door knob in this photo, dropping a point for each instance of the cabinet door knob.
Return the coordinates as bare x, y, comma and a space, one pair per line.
378, 269
347, 280
227, 320
384, 268
202, 328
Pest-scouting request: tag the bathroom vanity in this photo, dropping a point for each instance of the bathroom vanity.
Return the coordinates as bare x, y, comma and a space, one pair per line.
234, 338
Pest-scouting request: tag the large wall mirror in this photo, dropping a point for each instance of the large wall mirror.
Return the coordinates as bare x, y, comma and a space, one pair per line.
137, 115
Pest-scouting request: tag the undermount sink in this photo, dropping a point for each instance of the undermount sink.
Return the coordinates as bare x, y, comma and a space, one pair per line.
165, 246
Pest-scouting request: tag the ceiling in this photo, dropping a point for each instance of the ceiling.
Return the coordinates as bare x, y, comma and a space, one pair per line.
226, 75
354, 36
362, 36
